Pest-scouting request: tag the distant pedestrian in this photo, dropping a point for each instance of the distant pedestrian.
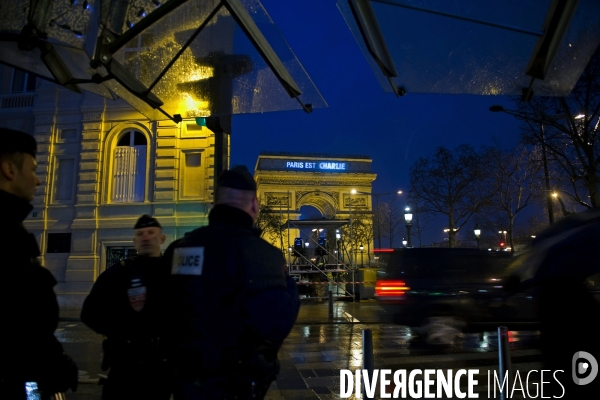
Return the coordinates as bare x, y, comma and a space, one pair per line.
125, 306
28, 304
231, 302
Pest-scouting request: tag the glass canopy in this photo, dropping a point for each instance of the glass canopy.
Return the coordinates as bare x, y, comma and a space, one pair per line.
169, 59
476, 47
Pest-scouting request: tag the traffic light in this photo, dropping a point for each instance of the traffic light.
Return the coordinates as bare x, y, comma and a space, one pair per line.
502, 245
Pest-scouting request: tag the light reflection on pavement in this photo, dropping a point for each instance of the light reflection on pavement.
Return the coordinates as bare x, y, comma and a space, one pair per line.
313, 354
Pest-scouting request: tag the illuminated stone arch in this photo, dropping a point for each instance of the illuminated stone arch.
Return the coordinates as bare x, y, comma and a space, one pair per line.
286, 182
324, 201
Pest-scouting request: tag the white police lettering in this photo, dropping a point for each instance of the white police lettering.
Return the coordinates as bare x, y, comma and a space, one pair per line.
188, 261
137, 297
332, 165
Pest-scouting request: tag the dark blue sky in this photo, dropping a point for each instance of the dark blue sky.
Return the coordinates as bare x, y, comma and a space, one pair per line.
361, 118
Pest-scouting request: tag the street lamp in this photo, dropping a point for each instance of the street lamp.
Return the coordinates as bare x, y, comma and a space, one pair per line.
408, 218
556, 196
361, 248
499, 108
447, 230
503, 244
338, 236
477, 233
376, 196
404, 242
353, 191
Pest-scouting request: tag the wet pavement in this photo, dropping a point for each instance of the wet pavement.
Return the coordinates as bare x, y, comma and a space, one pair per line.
323, 342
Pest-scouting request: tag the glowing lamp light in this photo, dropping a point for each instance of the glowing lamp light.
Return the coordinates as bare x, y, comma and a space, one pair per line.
193, 108
408, 215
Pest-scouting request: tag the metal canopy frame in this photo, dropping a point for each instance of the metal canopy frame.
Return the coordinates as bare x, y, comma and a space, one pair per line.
558, 17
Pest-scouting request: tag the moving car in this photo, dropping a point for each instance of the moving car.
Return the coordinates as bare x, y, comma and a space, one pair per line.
442, 292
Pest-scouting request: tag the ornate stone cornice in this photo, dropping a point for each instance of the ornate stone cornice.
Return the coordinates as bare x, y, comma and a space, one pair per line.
319, 180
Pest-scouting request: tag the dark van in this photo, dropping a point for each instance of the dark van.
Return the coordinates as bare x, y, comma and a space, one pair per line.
451, 289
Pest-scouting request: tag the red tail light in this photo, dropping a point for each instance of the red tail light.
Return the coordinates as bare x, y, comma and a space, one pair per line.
388, 289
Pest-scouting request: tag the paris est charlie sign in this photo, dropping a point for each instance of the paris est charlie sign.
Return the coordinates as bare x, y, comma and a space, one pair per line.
314, 165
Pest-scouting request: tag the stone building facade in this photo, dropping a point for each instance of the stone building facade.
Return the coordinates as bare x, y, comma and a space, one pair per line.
102, 165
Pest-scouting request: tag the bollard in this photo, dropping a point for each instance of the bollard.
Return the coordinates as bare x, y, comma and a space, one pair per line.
330, 304
367, 339
503, 359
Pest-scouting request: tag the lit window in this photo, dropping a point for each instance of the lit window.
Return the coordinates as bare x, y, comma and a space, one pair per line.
129, 168
192, 176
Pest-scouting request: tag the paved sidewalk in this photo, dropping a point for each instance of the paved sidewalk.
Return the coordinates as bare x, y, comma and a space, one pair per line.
311, 312
296, 356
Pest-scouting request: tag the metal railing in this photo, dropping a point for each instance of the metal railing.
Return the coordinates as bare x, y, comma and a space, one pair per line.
18, 101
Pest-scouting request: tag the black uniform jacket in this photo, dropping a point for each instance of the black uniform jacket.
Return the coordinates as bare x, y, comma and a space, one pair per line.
230, 298
125, 301
28, 307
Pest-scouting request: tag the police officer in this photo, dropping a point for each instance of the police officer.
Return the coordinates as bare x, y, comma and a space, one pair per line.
232, 304
125, 306
28, 304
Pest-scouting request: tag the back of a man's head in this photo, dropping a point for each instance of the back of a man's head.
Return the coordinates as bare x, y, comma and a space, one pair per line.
236, 187
14, 144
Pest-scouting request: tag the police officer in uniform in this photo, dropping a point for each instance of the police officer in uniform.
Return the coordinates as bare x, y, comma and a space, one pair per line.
125, 306
28, 304
231, 302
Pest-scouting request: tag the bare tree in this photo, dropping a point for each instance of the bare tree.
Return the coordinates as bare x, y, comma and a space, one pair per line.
390, 218
269, 222
449, 183
359, 231
567, 127
511, 175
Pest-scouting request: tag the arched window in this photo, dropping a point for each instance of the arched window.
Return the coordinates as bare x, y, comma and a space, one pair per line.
129, 168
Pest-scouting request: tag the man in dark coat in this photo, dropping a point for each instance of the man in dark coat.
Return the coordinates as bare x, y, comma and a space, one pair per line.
563, 263
231, 302
125, 306
27, 299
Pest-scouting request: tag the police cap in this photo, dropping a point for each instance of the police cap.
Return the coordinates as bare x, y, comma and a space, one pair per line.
13, 141
237, 178
146, 221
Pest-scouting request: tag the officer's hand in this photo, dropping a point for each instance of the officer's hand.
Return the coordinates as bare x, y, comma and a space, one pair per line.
60, 377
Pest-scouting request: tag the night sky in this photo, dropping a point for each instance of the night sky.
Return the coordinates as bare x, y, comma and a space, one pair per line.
361, 118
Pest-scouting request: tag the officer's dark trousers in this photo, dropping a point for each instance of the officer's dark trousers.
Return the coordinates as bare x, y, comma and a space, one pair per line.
147, 381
